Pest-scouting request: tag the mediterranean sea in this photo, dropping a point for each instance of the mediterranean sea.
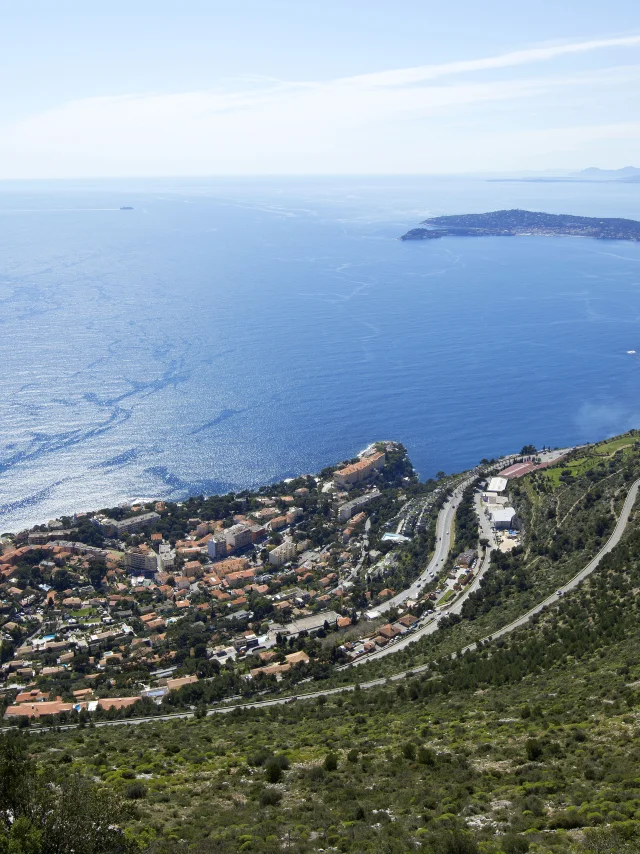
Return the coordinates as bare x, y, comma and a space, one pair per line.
227, 333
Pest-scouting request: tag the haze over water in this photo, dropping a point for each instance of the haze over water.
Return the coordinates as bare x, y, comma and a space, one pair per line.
227, 333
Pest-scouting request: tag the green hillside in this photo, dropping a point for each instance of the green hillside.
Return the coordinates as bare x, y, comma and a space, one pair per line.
527, 744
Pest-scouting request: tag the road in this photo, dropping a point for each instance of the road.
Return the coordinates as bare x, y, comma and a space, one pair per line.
593, 564
431, 625
444, 526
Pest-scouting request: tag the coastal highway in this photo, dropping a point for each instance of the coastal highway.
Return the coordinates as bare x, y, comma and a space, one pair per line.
444, 539
593, 564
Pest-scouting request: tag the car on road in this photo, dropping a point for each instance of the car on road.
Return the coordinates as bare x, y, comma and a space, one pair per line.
559, 592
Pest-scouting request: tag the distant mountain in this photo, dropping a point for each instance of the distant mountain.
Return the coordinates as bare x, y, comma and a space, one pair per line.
626, 175
608, 174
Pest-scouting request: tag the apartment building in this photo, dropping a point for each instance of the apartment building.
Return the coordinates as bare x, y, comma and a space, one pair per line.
354, 473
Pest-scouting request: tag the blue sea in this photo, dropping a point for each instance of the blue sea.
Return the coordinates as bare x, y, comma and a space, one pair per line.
228, 333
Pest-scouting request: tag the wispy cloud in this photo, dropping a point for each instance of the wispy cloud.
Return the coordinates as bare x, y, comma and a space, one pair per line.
413, 119
404, 76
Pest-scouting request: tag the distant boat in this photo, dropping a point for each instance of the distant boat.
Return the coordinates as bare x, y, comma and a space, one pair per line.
126, 208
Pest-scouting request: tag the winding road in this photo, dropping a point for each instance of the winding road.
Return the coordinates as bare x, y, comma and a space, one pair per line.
444, 526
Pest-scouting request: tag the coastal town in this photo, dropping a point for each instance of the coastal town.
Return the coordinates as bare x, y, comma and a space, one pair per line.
166, 605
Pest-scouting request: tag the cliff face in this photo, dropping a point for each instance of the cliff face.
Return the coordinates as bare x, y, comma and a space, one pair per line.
513, 222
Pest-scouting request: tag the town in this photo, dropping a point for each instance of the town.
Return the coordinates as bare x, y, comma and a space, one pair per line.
170, 605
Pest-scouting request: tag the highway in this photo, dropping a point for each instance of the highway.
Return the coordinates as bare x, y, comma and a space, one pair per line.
444, 527
593, 564
431, 624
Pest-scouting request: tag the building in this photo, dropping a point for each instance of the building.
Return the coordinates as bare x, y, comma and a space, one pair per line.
283, 553
497, 485
354, 473
166, 556
258, 532
467, 558
141, 560
309, 624
346, 510
217, 546
293, 513
504, 518
238, 536
115, 527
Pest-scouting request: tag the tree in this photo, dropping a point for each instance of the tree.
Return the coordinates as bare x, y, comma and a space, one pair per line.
527, 450
273, 771
534, 749
41, 817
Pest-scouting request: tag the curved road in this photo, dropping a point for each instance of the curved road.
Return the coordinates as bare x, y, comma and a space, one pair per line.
593, 564
444, 524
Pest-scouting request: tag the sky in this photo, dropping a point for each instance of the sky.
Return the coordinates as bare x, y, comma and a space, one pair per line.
201, 87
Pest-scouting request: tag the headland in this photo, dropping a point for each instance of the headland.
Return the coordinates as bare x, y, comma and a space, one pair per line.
510, 223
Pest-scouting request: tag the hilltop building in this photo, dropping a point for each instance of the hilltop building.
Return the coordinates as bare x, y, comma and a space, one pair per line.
354, 473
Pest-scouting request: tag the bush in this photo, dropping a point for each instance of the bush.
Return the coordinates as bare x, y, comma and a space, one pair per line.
458, 843
513, 844
534, 749
409, 750
330, 762
273, 770
426, 756
259, 757
270, 797
136, 791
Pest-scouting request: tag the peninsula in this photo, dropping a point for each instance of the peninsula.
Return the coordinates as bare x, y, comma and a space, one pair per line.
509, 223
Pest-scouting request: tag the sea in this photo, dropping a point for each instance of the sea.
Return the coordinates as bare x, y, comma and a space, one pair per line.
227, 333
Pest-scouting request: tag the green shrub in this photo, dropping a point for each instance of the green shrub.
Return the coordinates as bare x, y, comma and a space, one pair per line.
534, 749
135, 791
273, 770
330, 762
270, 797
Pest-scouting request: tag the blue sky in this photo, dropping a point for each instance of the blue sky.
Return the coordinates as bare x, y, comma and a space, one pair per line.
197, 88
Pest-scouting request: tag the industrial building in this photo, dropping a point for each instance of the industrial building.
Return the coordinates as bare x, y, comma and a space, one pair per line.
497, 485
504, 518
